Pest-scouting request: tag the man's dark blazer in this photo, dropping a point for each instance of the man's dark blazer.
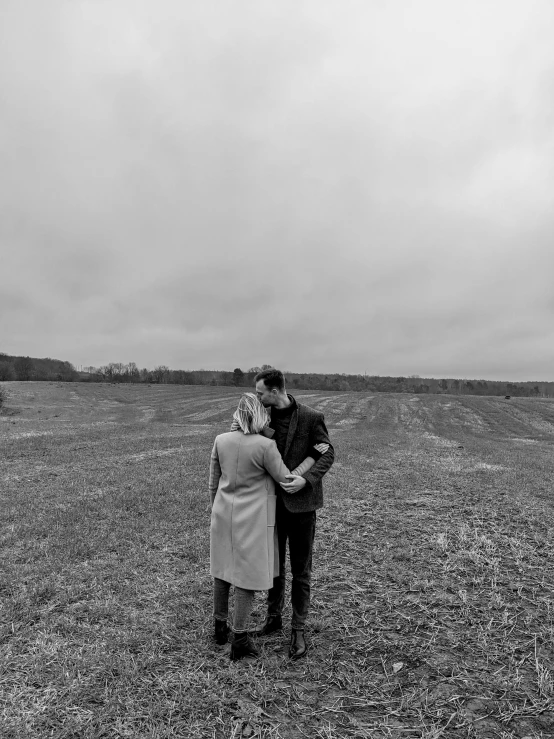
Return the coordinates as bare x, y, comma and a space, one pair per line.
307, 428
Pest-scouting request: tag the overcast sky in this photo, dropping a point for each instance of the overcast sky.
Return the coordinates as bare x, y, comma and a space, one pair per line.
323, 185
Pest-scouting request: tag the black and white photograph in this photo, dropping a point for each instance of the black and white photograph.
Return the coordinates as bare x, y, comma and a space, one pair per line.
276, 369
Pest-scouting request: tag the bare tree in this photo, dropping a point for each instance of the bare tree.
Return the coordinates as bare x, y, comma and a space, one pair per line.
161, 373
132, 372
24, 368
6, 371
238, 377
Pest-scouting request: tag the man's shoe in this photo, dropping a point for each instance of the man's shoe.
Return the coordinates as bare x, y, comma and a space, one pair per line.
298, 646
241, 646
221, 631
271, 624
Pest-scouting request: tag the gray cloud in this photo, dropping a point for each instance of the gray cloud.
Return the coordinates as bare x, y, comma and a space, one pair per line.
325, 186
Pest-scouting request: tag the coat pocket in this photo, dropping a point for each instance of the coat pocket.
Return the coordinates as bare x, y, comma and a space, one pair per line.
271, 508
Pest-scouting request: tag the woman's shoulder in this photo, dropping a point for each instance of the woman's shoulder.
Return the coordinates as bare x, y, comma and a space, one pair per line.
257, 439
231, 437
227, 437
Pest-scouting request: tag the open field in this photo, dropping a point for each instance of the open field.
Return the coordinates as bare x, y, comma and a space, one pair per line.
433, 611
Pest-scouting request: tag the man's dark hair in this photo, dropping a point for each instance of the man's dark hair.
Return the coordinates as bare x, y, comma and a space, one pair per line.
272, 378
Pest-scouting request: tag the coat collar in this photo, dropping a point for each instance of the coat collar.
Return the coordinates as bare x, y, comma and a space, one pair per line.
292, 426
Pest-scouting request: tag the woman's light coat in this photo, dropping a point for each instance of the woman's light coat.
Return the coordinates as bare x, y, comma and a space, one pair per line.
243, 541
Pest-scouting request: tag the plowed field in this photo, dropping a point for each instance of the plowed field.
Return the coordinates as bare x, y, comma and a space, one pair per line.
433, 593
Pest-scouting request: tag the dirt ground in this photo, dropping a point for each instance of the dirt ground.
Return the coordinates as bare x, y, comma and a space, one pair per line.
433, 591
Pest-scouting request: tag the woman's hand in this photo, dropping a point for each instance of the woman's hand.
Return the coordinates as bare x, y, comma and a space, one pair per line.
321, 448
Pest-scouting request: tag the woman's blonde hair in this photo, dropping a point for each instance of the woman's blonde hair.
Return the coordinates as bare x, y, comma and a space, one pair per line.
250, 415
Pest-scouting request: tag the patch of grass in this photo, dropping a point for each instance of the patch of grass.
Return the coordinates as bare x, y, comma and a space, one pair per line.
3, 397
433, 596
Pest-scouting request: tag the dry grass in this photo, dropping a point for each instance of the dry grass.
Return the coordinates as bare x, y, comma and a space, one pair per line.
433, 611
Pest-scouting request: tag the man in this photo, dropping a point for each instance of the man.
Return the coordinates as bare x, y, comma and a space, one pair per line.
297, 428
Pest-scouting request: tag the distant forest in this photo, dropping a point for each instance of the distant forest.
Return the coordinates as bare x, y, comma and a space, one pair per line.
29, 368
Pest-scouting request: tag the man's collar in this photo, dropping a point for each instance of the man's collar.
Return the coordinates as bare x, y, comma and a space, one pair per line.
290, 408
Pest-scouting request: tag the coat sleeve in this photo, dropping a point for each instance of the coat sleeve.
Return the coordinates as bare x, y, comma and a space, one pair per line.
304, 466
274, 465
215, 472
320, 435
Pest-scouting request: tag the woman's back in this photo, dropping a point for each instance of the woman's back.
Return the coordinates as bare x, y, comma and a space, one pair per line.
246, 460
243, 470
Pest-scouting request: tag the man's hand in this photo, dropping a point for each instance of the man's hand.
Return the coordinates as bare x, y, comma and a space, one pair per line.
295, 485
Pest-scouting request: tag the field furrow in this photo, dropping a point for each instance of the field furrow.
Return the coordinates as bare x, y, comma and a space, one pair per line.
433, 593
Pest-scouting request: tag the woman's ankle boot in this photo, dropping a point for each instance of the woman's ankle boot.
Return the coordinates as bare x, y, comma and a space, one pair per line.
241, 646
221, 631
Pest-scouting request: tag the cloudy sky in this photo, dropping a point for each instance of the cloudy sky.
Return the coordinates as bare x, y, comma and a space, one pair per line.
323, 185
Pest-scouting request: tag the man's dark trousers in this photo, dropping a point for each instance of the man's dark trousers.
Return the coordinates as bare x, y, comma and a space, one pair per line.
299, 530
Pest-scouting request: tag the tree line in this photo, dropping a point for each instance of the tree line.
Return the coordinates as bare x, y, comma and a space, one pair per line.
31, 368
28, 368
119, 372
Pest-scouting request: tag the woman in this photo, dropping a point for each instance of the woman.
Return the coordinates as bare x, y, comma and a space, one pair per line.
244, 467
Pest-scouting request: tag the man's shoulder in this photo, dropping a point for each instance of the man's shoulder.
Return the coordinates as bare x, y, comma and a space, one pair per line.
307, 411
302, 407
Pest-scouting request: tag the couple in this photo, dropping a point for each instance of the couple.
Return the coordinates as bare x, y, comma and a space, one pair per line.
252, 518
